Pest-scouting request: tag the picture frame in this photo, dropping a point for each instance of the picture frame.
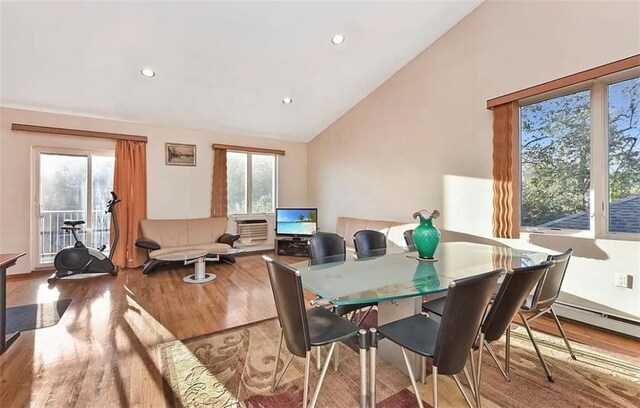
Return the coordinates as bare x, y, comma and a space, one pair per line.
179, 154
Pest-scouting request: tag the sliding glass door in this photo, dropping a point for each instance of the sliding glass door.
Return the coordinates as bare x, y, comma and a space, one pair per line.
71, 185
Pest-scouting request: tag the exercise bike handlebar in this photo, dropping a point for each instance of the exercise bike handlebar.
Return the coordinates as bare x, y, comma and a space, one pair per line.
111, 203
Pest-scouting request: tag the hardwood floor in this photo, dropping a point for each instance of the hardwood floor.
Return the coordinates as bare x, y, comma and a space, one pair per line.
104, 351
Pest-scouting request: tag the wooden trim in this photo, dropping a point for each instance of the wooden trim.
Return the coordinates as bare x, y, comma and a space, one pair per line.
593, 73
29, 275
248, 149
76, 132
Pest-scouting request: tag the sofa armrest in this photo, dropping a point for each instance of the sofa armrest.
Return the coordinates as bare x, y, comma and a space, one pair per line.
149, 244
228, 239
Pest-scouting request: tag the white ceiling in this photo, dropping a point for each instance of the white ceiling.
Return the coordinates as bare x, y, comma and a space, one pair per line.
221, 66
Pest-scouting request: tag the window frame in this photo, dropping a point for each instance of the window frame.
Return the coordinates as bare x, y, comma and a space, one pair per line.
37, 151
599, 160
249, 186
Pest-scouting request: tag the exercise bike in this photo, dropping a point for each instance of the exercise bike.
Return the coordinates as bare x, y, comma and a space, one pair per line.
80, 259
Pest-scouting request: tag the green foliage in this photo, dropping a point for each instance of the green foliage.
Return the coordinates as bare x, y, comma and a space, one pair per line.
624, 146
555, 158
555, 152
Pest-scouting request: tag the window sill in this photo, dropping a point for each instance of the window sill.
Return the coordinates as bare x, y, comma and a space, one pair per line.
580, 234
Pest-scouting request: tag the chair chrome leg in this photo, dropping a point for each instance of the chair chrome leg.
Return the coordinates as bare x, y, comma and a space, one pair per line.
373, 349
336, 359
275, 369
479, 376
474, 378
564, 336
423, 369
434, 373
507, 353
276, 382
362, 343
322, 374
535, 346
413, 381
464, 394
495, 359
471, 386
305, 392
318, 358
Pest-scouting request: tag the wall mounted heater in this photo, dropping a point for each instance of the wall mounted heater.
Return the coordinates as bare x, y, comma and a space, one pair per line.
252, 231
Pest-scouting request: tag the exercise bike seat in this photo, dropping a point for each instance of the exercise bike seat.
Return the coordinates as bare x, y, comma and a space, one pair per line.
72, 222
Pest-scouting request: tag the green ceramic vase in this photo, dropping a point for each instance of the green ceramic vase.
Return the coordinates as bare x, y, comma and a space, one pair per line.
426, 237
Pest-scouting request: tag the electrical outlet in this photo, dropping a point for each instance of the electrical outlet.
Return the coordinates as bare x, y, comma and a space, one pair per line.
623, 280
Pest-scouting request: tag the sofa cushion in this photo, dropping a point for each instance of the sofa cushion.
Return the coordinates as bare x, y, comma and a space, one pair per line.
167, 233
205, 230
177, 233
346, 227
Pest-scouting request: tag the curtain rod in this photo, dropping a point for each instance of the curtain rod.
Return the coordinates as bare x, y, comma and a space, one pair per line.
76, 132
248, 149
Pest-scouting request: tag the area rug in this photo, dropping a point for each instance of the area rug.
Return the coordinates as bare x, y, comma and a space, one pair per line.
35, 315
234, 369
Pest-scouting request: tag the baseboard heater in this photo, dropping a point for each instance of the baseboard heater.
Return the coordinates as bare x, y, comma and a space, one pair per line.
598, 318
252, 231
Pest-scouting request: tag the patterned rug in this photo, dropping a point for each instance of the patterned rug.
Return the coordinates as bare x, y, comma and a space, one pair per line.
234, 368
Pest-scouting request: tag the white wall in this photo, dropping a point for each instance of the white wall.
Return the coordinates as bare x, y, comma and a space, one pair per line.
173, 191
423, 139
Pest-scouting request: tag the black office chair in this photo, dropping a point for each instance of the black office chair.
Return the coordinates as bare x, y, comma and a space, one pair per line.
541, 302
447, 343
369, 243
303, 329
408, 239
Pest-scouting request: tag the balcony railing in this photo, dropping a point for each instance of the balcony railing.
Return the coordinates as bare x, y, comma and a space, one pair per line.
53, 238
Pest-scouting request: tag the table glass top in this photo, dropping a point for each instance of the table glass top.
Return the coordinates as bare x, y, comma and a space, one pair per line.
185, 255
400, 274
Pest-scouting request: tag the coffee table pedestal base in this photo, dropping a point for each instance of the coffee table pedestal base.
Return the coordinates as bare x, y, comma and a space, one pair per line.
200, 276
208, 277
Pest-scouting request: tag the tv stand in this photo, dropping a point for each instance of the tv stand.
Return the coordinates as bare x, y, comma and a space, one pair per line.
292, 246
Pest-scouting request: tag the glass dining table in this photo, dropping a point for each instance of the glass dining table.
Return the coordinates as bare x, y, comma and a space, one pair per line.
398, 280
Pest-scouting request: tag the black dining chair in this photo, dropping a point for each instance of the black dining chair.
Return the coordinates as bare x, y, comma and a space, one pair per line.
542, 301
408, 239
447, 343
303, 329
369, 243
326, 247
511, 295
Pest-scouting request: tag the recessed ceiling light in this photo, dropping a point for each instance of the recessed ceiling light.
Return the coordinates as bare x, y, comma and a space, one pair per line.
148, 72
287, 101
337, 39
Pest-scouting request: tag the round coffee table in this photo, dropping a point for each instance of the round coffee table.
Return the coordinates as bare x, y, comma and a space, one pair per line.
191, 256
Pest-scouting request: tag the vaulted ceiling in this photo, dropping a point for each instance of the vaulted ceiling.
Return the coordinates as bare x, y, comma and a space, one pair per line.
220, 66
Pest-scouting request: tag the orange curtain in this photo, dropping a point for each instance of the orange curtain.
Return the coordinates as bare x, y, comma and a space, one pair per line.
506, 180
219, 189
130, 184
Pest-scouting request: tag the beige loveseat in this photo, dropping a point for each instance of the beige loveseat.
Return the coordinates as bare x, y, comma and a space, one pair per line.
166, 236
346, 227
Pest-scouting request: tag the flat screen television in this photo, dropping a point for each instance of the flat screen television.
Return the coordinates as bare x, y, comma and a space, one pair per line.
296, 222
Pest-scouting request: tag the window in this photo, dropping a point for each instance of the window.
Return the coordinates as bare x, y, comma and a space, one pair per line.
251, 183
72, 185
623, 125
565, 141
